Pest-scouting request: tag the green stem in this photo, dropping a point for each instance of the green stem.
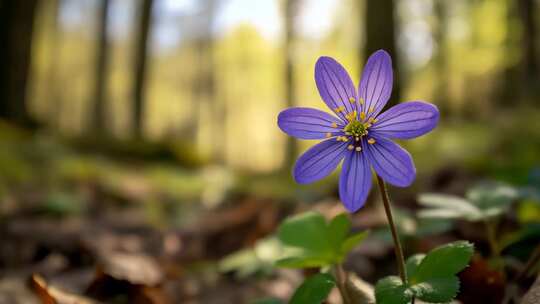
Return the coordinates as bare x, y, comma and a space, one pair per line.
398, 250
492, 239
341, 280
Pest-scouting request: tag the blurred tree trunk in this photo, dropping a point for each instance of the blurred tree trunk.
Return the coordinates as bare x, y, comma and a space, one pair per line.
54, 96
290, 12
442, 98
211, 112
16, 29
381, 34
144, 21
509, 83
519, 81
527, 9
102, 59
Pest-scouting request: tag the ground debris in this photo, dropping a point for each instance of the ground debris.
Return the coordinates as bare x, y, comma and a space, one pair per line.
53, 295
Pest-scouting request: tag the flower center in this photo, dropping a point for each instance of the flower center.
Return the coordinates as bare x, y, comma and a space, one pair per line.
356, 128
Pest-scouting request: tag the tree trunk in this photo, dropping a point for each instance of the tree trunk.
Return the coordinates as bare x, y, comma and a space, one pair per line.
141, 53
16, 28
529, 60
102, 59
380, 34
206, 83
54, 95
290, 13
441, 59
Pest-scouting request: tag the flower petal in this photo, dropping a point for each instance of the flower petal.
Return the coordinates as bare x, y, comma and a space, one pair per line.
319, 161
407, 120
355, 180
376, 83
335, 86
391, 162
308, 123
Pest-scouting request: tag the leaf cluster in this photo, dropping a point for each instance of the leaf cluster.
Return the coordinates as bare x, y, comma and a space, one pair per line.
481, 202
430, 278
314, 242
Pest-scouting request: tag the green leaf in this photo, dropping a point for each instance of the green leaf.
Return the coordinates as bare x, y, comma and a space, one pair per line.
315, 289
258, 259
338, 228
437, 290
307, 231
483, 201
317, 243
352, 241
412, 264
303, 262
445, 260
432, 278
443, 206
492, 198
391, 290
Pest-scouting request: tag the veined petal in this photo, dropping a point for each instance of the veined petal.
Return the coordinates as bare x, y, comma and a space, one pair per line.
308, 123
391, 162
376, 83
407, 120
319, 161
335, 86
355, 180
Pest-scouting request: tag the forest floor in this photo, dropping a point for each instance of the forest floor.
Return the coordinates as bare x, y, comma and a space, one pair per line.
99, 227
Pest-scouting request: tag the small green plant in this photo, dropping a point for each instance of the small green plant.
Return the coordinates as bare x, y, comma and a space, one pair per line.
361, 134
315, 289
316, 243
430, 277
485, 203
312, 242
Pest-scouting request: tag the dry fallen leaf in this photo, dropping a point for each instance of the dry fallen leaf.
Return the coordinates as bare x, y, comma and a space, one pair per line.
134, 268
135, 276
52, 295
533, 295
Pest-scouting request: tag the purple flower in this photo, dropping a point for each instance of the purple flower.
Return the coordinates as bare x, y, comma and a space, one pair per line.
360, 133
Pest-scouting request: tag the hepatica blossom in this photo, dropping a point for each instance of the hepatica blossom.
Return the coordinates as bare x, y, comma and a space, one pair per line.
359, 133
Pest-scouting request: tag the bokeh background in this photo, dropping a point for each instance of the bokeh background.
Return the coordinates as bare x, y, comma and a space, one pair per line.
145, 131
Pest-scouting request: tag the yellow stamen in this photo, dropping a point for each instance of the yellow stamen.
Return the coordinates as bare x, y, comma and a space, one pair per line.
334, 125
370, 120
371, 109
351, 116
358, 149
361, 101
352, 100
328, 135
375, 120
357, 138
350, 147
371, 141
339, 109
362, 115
